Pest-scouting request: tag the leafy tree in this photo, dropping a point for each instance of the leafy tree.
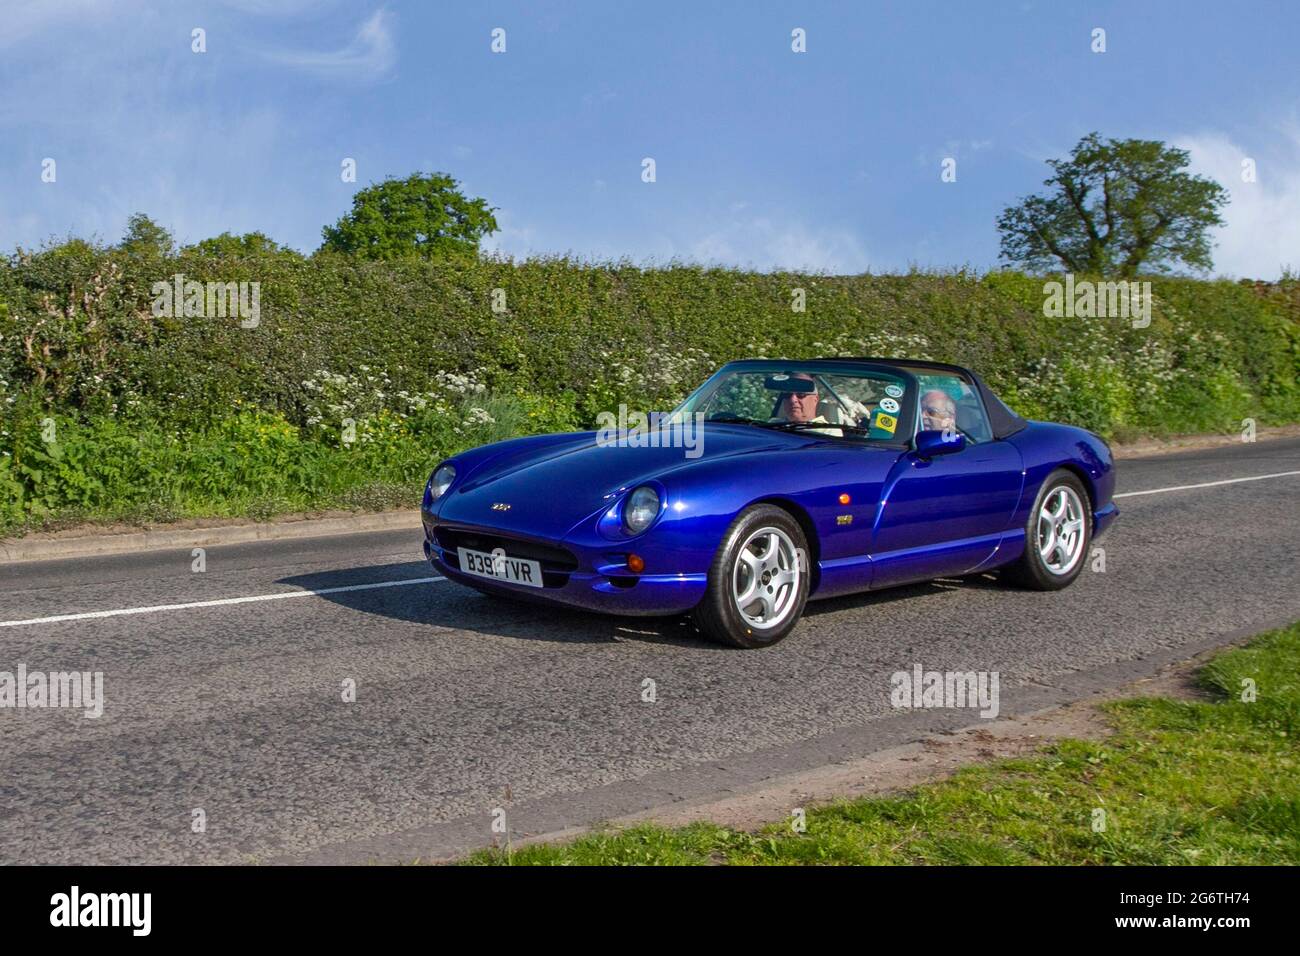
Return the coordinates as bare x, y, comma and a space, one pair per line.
144, 237
421, 216
1113, 207
228, 245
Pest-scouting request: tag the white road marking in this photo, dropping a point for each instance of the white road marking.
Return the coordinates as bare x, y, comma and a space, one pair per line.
117, 612
152, 609
1205, 484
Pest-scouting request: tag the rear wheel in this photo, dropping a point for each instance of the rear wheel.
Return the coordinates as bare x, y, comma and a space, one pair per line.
758, 583
1057, 535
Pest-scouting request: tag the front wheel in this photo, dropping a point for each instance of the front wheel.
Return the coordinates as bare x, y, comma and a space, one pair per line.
758, 583
1057, 535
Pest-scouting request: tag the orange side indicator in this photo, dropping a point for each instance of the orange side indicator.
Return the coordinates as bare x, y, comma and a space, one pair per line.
635, 563
844, 498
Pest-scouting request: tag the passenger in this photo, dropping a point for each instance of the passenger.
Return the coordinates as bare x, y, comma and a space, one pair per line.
938, 411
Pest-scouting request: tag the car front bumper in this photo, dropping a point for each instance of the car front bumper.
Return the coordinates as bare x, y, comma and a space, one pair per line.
588, 581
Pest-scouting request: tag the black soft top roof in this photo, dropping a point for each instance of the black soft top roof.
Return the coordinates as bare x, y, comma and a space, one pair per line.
1002, 420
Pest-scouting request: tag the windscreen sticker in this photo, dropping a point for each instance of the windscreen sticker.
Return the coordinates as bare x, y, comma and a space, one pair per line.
889, 405
886, 423
894, 391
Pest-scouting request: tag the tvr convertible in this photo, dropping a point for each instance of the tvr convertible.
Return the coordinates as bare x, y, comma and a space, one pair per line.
775, 483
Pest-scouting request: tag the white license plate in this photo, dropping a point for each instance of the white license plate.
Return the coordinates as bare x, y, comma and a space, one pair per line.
500, 567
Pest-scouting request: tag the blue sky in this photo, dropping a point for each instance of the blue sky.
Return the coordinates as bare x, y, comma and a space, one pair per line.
826, 160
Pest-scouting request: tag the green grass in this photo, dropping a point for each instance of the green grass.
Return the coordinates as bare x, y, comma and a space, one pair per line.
254, 464
1181, 782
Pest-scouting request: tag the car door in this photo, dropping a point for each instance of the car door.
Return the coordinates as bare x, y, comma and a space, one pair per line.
946, 515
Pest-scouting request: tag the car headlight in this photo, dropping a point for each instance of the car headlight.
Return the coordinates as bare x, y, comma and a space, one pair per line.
442, 478
640, 509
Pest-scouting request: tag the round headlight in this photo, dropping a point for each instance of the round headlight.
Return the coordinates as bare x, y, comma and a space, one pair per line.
441, 480
640, 509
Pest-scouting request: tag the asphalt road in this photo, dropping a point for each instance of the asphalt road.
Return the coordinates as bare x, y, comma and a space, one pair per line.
466, 704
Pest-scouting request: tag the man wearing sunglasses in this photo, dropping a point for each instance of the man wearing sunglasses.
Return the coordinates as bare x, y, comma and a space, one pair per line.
938, 411
803, 407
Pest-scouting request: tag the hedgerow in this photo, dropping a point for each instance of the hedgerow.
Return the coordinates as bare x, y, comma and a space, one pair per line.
362, 374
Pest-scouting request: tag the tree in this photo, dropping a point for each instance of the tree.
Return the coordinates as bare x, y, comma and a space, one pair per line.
144, 237
425, 217
1114, 207
228, 245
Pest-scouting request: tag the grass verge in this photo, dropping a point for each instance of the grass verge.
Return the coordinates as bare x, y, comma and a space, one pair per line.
1179, 782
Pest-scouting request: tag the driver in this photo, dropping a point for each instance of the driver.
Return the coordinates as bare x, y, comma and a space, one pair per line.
938, 411
802, 407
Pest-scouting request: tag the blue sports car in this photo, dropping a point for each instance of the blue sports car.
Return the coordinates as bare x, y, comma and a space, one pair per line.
774, 483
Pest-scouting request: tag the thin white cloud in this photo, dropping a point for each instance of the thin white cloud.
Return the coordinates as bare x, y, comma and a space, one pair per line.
512, 239
1261, 231
599, 97
749, 243
952, 149
371, 53
760, 243
280, 8
24, 19
152, 168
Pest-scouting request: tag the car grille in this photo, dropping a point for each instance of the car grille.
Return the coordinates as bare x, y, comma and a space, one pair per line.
557, 563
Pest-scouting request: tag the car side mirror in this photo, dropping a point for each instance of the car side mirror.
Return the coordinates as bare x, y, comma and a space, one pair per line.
933, 442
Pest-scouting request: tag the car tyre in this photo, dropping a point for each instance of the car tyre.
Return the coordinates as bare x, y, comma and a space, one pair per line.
758, 582
1057, 535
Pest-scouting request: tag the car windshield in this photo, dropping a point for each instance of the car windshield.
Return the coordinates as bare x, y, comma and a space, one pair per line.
835, 401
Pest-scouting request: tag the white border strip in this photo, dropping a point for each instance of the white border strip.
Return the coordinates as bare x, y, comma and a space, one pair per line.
118, 612
1206, 484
